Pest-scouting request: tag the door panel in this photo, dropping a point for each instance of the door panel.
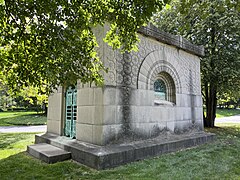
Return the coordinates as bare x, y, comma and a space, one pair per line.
71, 112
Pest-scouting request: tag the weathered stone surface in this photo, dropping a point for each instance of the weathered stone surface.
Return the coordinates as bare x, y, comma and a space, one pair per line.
55, 110
48, 153
167, 38
103, 157
54, 127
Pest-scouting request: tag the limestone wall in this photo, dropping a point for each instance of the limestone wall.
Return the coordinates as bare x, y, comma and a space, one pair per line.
56, 112
128, 98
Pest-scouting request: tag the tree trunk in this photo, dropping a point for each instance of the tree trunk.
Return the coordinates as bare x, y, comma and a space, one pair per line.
211, 105
206, 104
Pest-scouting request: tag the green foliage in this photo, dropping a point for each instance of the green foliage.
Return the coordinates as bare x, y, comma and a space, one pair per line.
51, 43
216, 26
229, 98
202, 162
34, 96
27, 97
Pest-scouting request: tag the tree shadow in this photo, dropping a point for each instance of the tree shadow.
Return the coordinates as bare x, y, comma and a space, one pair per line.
227, 131
7, 140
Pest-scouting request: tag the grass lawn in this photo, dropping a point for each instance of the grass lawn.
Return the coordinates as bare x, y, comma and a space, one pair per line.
21, 118
227, 112
217, 160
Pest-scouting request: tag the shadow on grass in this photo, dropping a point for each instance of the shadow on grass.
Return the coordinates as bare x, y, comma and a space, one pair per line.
231, 131
23, 166
8, 140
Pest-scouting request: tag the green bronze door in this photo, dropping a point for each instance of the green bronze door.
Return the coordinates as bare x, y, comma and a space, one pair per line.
71, 112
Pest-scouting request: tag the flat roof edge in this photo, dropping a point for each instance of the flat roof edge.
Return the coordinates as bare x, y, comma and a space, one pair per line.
177, 41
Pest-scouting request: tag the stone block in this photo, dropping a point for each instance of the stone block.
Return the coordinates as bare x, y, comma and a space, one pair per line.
91, 115
199, 113
84, 132
98, 135
162, 125
133, 114
110, 115
185, 100
170, 125
147, 130
109, 96
199, 124
143, 114
50, 100
198, 101
141, 129
146, 97
164, 113
55, 100
182, 125
187, 113
156, 114
135, 97
179, 113
111, 132
48, 153
171, 113
98, 96
156, 128
54, 127
85, 97
55, 113
86, 114
98, 115
49, 112
119, 114
178, 100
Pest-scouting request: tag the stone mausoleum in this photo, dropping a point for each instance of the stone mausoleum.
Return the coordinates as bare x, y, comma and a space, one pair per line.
150, 99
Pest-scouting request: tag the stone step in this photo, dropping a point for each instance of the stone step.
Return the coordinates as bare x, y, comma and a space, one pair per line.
48, 153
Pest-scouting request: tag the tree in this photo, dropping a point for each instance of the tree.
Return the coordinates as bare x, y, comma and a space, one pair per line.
229, 98
27, 97
216, 25
51, 43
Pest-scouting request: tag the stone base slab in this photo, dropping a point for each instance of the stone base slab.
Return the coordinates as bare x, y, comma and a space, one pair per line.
48, 153
103, 157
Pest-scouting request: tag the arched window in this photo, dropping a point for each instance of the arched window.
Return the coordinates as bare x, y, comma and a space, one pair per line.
164, 88
160, 89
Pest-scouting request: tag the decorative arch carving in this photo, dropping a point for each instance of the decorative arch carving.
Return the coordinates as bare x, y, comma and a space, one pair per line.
152, 65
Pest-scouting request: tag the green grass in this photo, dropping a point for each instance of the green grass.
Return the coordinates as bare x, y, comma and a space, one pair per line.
217, 160
227, 112
21, 118
13, 143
